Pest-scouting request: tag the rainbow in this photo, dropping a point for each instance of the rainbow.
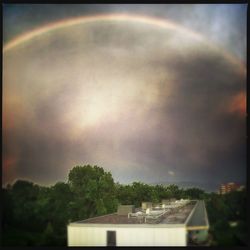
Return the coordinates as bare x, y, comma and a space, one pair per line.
161, 23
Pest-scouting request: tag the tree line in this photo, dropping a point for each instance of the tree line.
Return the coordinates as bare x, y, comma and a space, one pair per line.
35, 215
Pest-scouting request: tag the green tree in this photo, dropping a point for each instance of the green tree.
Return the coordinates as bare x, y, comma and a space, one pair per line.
48, 238
141, 193
221, 210
173, 191
160, 192
193, 193
7, 206
94, 191
25, 194
125, 194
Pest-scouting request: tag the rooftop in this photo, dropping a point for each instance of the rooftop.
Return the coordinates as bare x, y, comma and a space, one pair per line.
170, 214
199, 218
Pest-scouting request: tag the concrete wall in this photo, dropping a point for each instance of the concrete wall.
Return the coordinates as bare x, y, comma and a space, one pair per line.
127, 235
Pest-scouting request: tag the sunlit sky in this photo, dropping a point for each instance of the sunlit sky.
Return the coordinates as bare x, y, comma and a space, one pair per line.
152, 93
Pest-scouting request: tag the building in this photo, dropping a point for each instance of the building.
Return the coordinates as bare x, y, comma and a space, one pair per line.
229, 187
178, 223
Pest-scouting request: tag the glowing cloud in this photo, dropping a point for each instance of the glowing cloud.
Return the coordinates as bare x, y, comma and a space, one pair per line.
238, 104
172, 173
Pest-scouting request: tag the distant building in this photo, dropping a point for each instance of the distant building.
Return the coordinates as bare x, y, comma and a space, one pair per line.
229, 187
176, 223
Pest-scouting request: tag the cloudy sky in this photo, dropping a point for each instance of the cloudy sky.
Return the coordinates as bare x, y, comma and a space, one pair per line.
152, 93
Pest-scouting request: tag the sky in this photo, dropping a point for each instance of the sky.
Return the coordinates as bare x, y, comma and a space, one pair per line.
152, 93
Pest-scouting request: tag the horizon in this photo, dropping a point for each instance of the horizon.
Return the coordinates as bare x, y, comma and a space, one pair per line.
181, 184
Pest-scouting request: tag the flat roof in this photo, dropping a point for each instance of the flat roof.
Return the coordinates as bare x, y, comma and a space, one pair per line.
172, 216
199, 219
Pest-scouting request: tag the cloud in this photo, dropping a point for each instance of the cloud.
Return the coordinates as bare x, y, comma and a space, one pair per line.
172, 173
238, 104
126, 97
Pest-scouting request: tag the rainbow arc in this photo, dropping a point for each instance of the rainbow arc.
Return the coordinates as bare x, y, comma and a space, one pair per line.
161, 23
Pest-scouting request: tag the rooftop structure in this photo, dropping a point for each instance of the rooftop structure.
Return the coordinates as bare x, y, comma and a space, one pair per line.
162, 225
125, 209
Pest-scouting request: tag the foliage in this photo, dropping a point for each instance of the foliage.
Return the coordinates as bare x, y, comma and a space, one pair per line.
94, 191
194, 193
38, 216
223, 209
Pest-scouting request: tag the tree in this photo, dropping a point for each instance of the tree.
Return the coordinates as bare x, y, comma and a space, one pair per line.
54, 205
141, 193
25, 194
225, 208
7, 208
48, 238
94, 191
173, 191
159, 192
124, 194
194, 193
